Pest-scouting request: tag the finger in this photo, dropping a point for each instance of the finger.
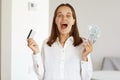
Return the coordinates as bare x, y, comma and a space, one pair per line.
84, 43
88, 49
90, 43
90, 46
32, 45
87, 44
31, 41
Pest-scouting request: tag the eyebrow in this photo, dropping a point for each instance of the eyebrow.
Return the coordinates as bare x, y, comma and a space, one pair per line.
61, 12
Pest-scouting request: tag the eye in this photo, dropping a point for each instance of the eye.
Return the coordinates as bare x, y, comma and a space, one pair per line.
68, 16
59, 15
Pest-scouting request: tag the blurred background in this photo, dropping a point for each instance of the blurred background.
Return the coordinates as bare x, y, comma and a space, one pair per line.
17, 17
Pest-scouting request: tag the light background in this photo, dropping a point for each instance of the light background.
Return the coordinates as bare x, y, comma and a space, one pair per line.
105, 14
17, 20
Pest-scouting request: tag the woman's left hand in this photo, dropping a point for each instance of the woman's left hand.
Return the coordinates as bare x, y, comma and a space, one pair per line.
87, 48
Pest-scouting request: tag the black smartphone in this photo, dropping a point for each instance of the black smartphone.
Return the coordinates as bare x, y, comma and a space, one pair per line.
29, 34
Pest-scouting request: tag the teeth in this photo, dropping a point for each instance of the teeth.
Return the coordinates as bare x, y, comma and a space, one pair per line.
64, 24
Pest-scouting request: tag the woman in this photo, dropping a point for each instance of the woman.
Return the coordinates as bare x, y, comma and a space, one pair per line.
65, 55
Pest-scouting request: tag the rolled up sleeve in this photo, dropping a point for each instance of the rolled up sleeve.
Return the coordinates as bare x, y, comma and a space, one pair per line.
38, 65
86, 69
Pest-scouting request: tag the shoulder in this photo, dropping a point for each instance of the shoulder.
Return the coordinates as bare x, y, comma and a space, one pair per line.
45, 41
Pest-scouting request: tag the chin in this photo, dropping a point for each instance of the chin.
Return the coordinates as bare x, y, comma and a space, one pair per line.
63, 33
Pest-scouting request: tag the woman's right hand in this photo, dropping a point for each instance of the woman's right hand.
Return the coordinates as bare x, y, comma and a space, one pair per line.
33, 45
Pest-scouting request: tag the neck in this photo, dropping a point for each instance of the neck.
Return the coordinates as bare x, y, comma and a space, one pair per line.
63, 38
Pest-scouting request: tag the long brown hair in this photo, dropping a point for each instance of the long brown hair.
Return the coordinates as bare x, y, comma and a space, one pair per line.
74, 31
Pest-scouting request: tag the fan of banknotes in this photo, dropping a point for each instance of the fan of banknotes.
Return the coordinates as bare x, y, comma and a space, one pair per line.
94, 33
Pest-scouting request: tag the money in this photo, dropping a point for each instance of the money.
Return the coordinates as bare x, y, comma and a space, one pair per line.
94, 33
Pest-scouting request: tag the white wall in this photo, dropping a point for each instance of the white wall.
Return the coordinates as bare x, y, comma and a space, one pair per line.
104, 13
6, 40
16, 62
17, 20
0, 38
22, 21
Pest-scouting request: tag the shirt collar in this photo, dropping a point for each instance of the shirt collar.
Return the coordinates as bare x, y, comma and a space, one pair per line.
68, 41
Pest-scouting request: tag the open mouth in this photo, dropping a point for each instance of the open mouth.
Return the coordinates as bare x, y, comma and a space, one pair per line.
64, 26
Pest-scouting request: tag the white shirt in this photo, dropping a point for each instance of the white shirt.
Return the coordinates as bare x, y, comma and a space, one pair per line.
62, 63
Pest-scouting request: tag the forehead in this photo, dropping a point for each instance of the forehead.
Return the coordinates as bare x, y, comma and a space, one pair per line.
64, 9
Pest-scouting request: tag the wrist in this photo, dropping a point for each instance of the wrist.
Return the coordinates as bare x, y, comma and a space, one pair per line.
84, 58
35, 52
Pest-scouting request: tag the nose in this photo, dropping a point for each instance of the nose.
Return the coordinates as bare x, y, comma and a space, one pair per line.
64, 18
